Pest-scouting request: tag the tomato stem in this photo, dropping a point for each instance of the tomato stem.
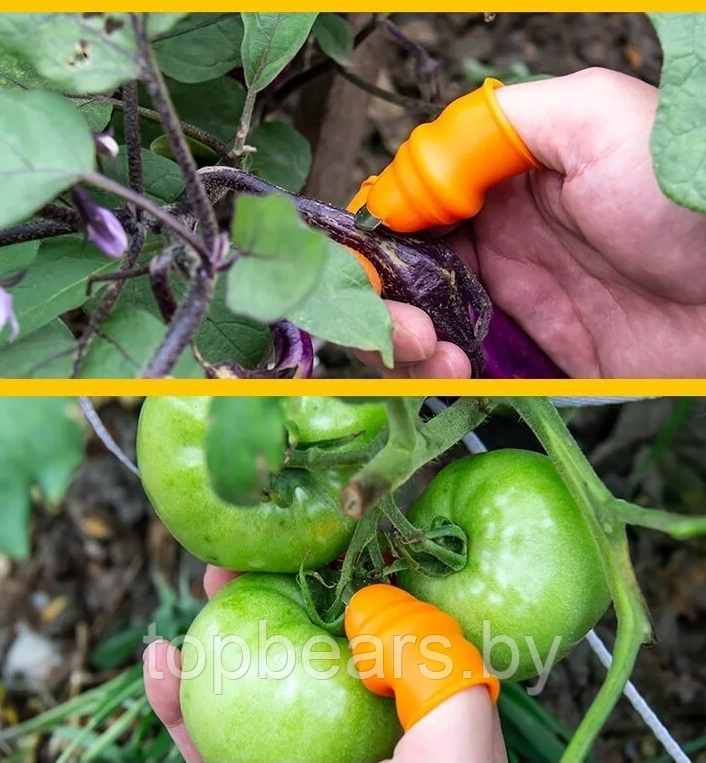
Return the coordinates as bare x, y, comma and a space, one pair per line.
678, 526
606, 524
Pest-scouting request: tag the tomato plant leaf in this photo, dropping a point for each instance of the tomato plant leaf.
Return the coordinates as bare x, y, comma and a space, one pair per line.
44, 354
270, 42
79, 52
17, 74
56, 282
17, 257
245, 444
162, 178
335, 37
45, 144
678, 141
126, 342
283, 155
201, 47
344, 308
280, 262
41, 444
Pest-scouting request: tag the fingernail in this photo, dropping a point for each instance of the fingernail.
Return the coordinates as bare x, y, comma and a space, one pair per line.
414, 351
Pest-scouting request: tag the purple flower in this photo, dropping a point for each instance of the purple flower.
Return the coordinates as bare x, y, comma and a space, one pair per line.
7, 315
106, 145
101, 226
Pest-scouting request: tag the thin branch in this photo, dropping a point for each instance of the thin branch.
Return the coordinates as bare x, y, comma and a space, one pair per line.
239, 148
121, 275
679, 526
131, 125
157, 89
183, 326
190, 130
411, 104
159, 213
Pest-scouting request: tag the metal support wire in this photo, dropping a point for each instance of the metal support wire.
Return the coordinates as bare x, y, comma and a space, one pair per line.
475, 445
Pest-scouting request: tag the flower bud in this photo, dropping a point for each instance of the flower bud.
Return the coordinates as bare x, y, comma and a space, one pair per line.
7, 315
101, 226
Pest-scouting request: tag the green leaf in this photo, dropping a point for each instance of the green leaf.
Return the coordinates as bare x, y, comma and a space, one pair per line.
270, 42
344, 308
17, 74
281, 258
201, 47
41, 444
162, 178
160, 146
79, 52
45, 145
678, 142
17, 257
335, 37
222, 335
126, 342
44, 354
245, 444
56, 281
283, 155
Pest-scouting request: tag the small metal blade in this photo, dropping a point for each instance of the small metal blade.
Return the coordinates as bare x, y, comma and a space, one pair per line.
366, 221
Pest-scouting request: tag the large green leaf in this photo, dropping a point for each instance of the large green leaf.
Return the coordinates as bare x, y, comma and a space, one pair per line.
56, 282
162, 178
679, 136
127, 341
79, 52
270, 42
222, 335
335, 37
201, 47
17, 257
283, 155
41, 444
245, 443
45, 354
280, 258
344, 308
45, 144
15, 73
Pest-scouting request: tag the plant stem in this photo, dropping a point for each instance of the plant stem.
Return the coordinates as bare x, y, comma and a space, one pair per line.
131, 125
401, 458
157, 89
159, 213
678, 526
191, 131
596, 504
244, 126
316, 458
183, 326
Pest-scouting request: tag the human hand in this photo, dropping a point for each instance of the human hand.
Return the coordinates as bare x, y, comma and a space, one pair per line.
466, 727
600, 268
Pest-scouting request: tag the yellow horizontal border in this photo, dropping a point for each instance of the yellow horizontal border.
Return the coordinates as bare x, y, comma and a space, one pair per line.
356, 387
328, 5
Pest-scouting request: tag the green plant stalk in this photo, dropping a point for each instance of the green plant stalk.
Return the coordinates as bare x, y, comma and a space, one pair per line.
410, 446
316, 458
596, 504
681, 527
116, 730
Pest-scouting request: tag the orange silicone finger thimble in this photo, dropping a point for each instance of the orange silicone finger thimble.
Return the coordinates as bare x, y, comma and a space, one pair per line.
440, 174
411, 650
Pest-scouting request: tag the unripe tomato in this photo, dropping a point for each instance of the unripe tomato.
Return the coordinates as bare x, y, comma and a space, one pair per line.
331, 422
533, 567
302, 523
299, 716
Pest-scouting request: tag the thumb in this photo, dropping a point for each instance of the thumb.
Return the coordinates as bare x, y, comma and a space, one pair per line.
463, 729
570, 122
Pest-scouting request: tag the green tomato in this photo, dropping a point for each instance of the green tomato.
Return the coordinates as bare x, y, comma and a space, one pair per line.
330, 422
314, 710
301, 523
533, 567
